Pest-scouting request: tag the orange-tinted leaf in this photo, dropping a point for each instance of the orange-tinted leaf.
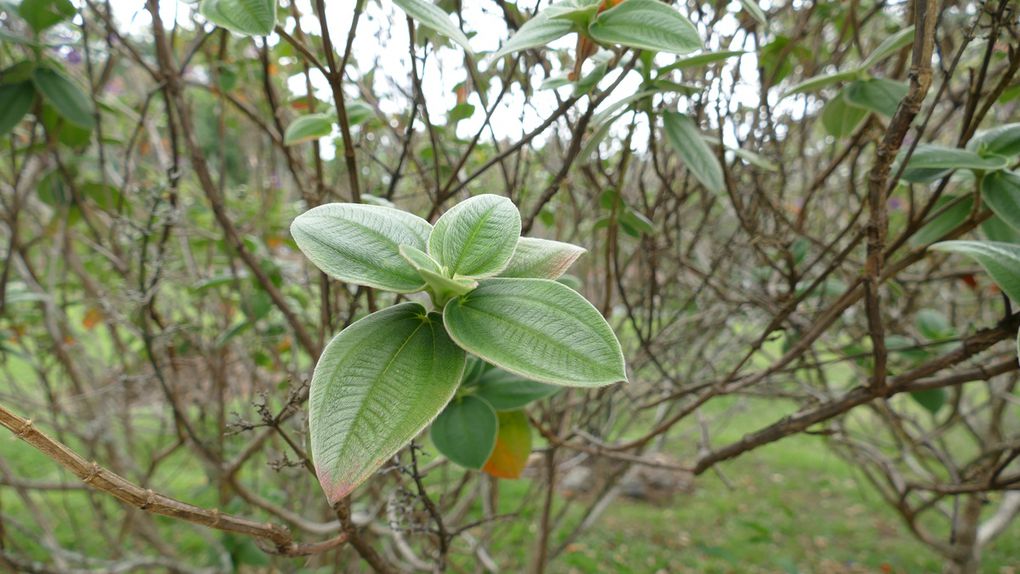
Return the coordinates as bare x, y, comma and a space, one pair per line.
92, 318
513, 445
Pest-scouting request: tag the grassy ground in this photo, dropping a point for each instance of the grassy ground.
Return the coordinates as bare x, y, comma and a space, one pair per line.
792, 506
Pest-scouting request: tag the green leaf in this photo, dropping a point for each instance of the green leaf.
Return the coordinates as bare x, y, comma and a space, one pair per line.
460, 112
996, 229
419, 259
646, 25
697, 156
465, 432
433, 17
945, 221
378, 383
1000, 260
1001, 191
877, 95
754, 159
636, 221
41, 14
66, 98
360, 244
538, 31
507, 391
889, 46
15, 101
513, 446
359, 113
541, 258
931, 399
538, 329
248, 17
476, 238
839, 118
699, 60
928, 156
1001, 140
308, 128
816, 83
933, 325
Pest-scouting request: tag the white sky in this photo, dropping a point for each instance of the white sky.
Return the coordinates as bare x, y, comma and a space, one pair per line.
444, 67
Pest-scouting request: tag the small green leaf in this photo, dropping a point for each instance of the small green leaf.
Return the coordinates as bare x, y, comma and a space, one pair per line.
538, 329
538, 31
444, 287
378, 383
1001, 140
699, 60
889, 46
513, 446
541, 258
476, 238
683, 135
433, 17
247, 17
636, 221
839, 118
646, 25
996, 229
360, 244
1001, 191
507, 391
308, 128
816, 83
877, 95
15, 101
460, 112
933, 325
419, 259
465, 432
66, 98
1000, 260
931, 399
41, 14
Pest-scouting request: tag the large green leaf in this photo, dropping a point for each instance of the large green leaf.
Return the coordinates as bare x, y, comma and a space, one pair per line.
646, 25
41, 14
683, 135
433, 17
541, 258
248, 17
1001, 260
466, 431
507, 391
945, 219
15, 101
1001, 191
539, 329
513, 445
476, 238
1001, 140
378, 383
929, 156
308, 128
537, 31
876, 94
65, 96
360, 244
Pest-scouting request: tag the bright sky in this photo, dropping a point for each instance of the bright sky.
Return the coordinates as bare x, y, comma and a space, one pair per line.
444, 68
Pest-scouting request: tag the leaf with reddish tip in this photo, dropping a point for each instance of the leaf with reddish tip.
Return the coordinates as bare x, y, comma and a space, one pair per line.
378, 383
541, 258
513, 446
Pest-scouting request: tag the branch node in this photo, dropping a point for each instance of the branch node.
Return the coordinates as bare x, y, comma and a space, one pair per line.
93, 473
25, 429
